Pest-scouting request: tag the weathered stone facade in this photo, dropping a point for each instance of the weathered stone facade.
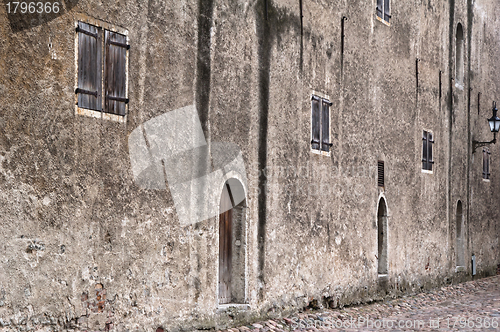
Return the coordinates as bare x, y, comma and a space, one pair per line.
84, 247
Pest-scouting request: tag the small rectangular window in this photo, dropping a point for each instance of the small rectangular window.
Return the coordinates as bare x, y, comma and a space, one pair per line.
320, 124
427, 142
486, 164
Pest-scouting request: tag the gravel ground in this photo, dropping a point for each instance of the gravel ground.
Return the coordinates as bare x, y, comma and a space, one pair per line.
471, 306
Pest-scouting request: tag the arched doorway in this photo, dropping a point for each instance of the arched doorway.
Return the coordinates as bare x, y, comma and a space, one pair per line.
232, 243
459, 220
382, 237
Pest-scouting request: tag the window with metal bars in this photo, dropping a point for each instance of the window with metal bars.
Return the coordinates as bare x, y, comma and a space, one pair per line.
384, 9
320, 124
486, 164
381, 175
427, 143
102, 53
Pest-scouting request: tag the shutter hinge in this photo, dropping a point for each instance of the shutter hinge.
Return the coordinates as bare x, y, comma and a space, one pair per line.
115, 43
124, 100
92, 34
86, 92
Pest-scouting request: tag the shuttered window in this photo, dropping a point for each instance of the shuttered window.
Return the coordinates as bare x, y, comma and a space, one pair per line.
384, 9
98, 58
486, 164
320, 124
427, 142
89, 67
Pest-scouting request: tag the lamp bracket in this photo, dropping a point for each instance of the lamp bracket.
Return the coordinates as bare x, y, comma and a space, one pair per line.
476, 144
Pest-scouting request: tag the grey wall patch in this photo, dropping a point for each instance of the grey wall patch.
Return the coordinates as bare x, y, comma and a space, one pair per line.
195, 172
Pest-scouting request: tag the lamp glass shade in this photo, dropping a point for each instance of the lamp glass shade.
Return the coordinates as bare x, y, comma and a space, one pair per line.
494, 122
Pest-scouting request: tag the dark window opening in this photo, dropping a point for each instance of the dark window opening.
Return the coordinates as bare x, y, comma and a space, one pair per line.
460, 259
102, 52
427, 142
380, 181
232, 244
459, 56
320, 123
486, 164
382, 258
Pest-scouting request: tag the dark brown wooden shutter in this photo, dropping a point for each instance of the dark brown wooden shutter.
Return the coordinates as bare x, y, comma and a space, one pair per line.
424, 150
89, 67
387, 13
380, 4
115, 72
315, 119
484, 164
488, 154
430, 141
381, 175
325, 126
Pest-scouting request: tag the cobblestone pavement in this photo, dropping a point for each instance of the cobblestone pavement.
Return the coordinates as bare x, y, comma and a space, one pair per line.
471, 306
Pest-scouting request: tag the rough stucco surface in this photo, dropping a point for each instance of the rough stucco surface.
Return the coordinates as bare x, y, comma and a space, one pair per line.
84, 248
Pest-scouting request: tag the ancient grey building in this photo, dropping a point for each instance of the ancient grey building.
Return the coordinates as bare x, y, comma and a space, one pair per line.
195, 164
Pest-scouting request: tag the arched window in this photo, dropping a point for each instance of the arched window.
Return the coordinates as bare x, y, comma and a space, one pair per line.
459, 56
382, 237
460, 261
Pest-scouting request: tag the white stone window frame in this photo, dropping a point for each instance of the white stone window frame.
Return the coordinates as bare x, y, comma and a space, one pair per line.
320, 152
79, 111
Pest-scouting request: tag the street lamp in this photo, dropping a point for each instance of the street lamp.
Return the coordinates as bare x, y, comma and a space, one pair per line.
494, 123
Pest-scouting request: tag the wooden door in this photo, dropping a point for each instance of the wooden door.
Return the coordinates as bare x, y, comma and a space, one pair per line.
225, 256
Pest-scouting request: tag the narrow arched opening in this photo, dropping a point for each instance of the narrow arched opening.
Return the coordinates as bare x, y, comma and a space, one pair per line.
459, 56
382, 237
232, 243
459, 221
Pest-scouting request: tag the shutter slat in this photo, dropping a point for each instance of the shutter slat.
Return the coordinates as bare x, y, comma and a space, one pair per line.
89, 68
430, 161
424, 150
325, 126
387, 12
315, 123
484, 164
115, 71
380, 4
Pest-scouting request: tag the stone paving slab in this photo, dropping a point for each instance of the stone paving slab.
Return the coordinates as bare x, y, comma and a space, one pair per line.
471, 306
